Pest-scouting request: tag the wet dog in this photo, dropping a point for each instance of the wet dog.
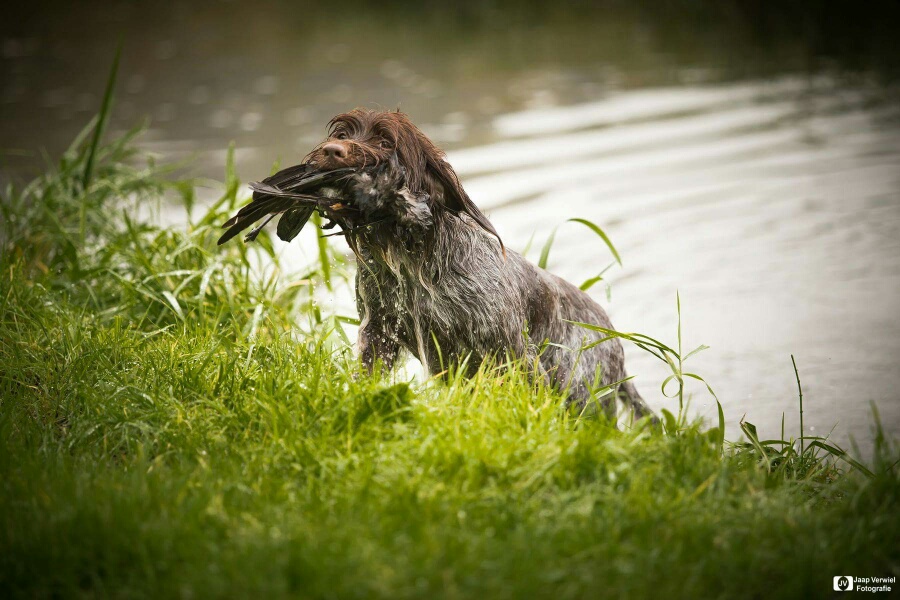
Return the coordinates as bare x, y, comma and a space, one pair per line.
435, 279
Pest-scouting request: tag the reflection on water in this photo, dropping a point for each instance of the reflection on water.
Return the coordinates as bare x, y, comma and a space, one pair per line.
773, 208
757, 178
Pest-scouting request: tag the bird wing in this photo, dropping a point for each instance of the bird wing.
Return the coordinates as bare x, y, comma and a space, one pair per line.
292, 221
293, 187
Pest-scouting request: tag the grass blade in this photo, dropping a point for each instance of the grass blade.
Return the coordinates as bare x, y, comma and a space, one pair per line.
102, 119
545, 251
589, 283
173, 302
602, 236
696, 350
800, 392
835, 451
322, 243
749, 430
637, 338
720, 441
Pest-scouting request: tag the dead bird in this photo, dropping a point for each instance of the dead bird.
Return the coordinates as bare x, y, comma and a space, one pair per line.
295, 193
435, 279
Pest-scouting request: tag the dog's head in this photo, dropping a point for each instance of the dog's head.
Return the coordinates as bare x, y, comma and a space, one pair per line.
364, 138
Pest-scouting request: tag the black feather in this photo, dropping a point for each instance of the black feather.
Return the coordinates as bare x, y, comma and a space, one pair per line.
257, 210
251, 237
301, 178
231, 233
292, 222
292, 191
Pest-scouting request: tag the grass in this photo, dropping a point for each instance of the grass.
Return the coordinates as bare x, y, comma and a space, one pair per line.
172, 425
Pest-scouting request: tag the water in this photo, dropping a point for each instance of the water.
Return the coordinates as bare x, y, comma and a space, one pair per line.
754, 173
773, 208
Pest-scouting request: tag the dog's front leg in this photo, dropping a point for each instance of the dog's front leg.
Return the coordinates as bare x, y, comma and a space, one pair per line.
378, 341
377, 347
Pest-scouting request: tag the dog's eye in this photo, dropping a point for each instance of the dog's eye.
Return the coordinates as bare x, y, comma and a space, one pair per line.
385, 144
341, 135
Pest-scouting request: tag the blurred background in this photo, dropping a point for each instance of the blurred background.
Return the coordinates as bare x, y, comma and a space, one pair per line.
743, 153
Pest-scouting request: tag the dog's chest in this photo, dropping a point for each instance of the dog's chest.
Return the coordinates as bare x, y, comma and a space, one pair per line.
422, 305
402, 297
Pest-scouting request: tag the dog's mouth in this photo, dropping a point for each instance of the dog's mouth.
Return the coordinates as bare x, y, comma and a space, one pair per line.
349, 196
339, 155
341, 199
327, 163
358, 179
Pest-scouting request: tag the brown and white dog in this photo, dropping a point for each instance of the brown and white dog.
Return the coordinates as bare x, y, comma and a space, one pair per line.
435, 279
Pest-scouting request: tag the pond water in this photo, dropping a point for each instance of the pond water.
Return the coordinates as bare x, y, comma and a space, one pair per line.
760, 184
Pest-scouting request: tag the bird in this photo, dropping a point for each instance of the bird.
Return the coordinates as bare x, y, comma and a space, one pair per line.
294, 193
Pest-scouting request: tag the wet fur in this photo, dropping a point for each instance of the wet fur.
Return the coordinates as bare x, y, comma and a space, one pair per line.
434, 278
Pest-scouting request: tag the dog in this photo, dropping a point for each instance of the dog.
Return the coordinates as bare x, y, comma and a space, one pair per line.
435, 279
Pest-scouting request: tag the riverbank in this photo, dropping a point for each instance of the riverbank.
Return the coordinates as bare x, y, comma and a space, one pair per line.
172, 424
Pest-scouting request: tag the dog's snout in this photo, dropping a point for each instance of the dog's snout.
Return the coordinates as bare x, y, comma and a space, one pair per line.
335, 150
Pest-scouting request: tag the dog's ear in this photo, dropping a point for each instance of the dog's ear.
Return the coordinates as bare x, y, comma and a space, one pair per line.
455, 197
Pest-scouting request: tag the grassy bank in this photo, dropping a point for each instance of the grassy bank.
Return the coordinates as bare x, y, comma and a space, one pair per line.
165, 431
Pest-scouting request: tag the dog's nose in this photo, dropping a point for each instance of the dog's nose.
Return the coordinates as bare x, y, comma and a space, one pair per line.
334, 150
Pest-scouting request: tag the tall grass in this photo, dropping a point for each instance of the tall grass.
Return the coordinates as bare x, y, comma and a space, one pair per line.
167, 428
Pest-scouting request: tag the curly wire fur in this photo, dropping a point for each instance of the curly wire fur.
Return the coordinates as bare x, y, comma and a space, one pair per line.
435, 279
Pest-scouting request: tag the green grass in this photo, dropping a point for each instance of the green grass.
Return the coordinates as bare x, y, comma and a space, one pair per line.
173, 425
